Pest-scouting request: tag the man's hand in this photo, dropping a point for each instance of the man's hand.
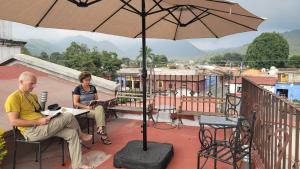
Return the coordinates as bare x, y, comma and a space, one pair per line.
43, 121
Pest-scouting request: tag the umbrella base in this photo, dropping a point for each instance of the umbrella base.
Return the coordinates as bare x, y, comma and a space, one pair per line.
132, 156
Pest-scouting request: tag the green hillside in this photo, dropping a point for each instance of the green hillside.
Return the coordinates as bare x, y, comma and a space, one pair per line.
293, 38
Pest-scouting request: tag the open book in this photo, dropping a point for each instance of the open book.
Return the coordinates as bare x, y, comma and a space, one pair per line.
52, 114
94, 102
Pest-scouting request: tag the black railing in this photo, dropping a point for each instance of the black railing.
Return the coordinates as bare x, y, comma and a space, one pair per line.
168, 89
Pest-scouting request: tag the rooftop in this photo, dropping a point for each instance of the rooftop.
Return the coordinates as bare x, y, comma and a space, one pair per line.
259, 80
185, 143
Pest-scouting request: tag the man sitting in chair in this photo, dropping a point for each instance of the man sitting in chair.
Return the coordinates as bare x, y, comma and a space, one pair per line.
23, 111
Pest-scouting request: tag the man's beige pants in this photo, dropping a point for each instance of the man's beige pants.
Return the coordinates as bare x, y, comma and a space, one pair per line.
99, 116
64, 126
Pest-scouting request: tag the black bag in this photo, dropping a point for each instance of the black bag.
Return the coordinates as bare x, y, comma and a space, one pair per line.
53, 107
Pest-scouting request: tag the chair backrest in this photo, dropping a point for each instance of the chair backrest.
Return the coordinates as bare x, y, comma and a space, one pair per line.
232, 105
243, 135
73, 101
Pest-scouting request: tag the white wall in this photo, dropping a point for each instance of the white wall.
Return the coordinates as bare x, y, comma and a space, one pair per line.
233, 88
8, 52
269, 88
5, 30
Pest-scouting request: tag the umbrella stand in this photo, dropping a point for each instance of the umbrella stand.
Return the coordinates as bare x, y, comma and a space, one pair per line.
157, 155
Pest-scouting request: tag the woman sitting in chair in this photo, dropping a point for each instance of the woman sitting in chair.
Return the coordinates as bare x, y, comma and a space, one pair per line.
83, 95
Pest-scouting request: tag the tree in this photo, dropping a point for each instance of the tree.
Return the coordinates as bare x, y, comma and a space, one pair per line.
232, 59
149, 61
111, 63
294, 61
149, 56
25, 51
268, 49
75, 56
56, 56
160, 61
126, 61
218, 60
44, 56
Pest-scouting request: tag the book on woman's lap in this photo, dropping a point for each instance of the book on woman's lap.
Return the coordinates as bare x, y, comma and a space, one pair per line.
94, 102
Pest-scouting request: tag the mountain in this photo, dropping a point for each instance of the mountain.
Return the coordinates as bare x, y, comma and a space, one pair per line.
100, 45
181, 50
36, 46
293, 38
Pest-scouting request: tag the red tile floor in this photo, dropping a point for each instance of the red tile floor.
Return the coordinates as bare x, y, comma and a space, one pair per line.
184, 140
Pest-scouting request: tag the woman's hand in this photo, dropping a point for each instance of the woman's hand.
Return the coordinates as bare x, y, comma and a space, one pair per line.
90, 107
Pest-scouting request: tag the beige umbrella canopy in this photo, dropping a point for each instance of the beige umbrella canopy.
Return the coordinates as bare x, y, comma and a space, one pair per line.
166, 19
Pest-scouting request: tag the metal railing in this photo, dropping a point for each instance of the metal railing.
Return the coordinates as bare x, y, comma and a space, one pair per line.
278, 120
168, 89
276, 135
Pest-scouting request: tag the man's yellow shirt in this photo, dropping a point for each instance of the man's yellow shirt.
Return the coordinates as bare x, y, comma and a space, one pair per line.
25, 105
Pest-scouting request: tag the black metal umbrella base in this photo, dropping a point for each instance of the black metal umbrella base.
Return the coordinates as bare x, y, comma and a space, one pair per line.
132, 156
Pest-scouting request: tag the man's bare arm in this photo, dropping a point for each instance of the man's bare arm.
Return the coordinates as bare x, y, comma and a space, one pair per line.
16, 121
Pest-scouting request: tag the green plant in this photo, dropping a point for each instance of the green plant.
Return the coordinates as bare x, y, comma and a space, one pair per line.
123, 100
3, 152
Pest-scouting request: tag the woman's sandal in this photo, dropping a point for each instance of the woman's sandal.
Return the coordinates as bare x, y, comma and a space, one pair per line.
104, 138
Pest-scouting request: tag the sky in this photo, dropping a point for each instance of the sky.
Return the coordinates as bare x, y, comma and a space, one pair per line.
282, 16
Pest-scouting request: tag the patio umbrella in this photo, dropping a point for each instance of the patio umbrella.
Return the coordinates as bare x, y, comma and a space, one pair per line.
165, 19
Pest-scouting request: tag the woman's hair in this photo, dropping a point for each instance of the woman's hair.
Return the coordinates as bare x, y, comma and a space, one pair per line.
84, 75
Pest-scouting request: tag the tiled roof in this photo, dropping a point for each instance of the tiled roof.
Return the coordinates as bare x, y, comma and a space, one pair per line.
269, 81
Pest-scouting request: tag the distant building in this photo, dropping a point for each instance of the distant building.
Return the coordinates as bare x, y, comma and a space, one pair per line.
235, 85
288, 84
161, 79
8, 47
181, 81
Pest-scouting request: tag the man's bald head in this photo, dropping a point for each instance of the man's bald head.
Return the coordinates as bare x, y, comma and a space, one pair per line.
27, 81
26, 76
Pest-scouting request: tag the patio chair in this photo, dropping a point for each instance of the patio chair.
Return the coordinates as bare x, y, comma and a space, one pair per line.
18, 138
229, 152
232, 105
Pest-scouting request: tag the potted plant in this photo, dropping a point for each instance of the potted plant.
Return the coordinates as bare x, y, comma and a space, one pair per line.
3, 152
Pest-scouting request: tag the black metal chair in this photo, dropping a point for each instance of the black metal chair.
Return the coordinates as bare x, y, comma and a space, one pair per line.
18, 138
231, 109
229, 152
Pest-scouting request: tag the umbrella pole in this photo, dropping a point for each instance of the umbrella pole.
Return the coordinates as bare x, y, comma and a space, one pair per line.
144, 76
